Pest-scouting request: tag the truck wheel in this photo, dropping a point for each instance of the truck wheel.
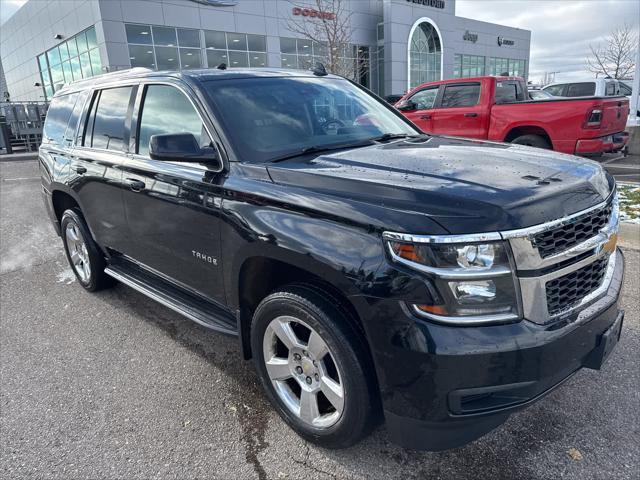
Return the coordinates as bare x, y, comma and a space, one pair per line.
532, 141
314, 367
84, 256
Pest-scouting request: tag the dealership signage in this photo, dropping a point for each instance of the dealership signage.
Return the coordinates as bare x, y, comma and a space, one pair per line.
429, 3
470, 37
310, 12
503, 41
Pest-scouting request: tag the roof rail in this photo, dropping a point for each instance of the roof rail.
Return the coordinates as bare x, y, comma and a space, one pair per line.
108, 75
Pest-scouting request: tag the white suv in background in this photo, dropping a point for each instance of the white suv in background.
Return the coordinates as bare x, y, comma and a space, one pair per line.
597, 87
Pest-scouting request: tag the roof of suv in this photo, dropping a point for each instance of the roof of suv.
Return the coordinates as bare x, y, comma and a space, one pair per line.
203, 74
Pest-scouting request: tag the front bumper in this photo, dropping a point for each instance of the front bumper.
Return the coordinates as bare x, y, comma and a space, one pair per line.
606, 144
445, 386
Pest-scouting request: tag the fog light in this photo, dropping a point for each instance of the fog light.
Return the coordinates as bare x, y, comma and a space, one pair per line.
473, 292
476, 255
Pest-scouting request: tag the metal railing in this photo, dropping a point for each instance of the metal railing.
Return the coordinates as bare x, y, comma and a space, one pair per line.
21, 126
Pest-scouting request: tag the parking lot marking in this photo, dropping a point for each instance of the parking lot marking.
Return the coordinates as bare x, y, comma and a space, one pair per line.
613, 159
19, 178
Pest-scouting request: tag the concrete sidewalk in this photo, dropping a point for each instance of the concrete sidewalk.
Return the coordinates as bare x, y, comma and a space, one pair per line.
13, 157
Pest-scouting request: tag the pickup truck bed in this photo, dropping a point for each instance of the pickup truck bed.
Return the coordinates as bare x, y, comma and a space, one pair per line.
493, 108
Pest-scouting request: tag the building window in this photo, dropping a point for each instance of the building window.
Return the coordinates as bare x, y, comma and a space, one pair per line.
164, 48
510, 66
76, 58
466, 66
351, 61
425, 55
235, 49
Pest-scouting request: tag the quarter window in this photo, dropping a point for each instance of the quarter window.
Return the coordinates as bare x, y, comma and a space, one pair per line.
167, 110
461, 95
425, 99
58, 117
555, 90
110, 115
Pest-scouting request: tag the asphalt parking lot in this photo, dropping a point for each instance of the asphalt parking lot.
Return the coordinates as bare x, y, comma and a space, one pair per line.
113, 385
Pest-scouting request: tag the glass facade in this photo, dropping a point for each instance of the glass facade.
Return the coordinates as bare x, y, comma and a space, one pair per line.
169, 48
425, 55
514, 67
465, 66
76, 58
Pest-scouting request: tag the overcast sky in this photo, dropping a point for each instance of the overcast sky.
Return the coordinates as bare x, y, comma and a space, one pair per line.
561, 30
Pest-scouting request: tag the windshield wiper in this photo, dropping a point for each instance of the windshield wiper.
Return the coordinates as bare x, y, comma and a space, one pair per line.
322, 148
392, 136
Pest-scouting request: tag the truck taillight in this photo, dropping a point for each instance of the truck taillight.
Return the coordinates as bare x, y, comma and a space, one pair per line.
594, 117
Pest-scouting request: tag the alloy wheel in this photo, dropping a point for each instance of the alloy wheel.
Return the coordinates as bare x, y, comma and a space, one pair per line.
303, 371
78, 253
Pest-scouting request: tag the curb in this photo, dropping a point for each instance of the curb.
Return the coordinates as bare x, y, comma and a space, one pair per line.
18, 157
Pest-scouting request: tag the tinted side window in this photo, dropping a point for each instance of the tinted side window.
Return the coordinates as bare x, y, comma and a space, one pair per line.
58, 117
108, 126
167, 110
624, 89
461, 95
509, 92
425, 99
75, 116
555, 90
584, 89
610, 89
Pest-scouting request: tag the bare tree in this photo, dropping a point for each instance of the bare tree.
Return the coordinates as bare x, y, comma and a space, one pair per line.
328, 24
616, 58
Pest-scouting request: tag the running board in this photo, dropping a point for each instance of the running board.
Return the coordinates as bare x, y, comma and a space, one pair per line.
191, 306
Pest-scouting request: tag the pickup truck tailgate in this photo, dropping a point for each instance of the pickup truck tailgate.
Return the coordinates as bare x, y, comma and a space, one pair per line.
614, 115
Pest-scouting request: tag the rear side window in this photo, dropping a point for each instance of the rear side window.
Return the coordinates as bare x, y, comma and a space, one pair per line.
624, 89
509, 92
555, 90
109, 118
167, 110
58, 117
583, 89
465, 95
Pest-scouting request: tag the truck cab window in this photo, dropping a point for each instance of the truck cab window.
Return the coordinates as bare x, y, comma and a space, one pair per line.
166, 110
461, 95
582, 89
425, 99
110, 115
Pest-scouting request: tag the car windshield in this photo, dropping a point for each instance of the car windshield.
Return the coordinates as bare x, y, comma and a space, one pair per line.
274, 118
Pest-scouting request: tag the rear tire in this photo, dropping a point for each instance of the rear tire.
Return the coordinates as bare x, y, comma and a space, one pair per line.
321, 352
84, 256
532, 141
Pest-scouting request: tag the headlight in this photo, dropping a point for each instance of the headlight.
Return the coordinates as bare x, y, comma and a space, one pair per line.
474, 281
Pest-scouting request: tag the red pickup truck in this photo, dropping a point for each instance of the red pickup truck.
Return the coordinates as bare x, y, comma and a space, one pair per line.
498, 108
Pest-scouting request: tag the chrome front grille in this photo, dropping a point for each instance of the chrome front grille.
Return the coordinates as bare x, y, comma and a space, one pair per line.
566, 236
564, 293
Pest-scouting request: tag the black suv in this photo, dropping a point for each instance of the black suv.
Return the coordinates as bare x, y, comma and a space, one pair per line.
371, 271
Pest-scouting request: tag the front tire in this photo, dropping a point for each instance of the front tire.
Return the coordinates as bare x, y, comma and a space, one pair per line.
84, 256
314, 367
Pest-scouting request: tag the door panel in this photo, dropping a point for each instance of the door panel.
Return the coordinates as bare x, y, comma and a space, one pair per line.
460, 112
173, 209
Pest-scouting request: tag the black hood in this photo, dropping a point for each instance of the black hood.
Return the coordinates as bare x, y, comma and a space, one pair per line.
465, 186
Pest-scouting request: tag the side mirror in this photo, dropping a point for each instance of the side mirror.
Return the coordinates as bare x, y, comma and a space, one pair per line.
406, 105
180, 147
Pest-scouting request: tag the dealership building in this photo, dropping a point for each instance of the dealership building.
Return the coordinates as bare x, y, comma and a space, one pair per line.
392, 45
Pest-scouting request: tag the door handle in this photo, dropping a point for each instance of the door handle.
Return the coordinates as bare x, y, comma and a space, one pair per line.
80, 170
135, 184
470, 115
425, 117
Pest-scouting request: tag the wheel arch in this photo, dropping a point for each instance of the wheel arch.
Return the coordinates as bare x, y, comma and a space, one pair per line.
520, 130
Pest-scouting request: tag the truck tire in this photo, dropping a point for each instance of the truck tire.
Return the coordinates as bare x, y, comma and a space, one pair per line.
532, 141
314, 366
84, 256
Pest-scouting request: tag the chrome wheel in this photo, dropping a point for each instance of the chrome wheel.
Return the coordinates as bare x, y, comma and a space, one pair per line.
78, 252
303, 371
